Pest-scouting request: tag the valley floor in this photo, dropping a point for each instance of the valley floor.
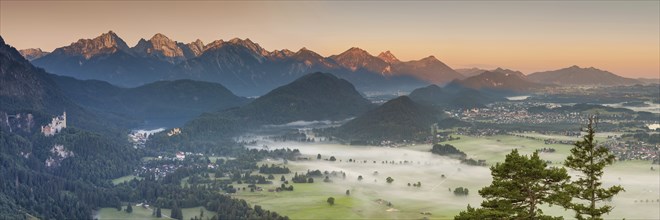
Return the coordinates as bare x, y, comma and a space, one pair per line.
433, 200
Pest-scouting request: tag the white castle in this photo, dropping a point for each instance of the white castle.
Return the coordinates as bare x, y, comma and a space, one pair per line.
56, 125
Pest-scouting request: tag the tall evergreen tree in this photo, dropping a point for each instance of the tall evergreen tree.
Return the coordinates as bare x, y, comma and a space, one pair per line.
519, 186
129, 208
176, 213
589, 160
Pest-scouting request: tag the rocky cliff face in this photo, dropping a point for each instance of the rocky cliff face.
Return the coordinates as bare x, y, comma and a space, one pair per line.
33, 53
162, 48
107, 43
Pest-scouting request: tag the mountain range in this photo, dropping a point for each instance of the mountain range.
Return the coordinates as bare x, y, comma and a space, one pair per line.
240, 64
247, 69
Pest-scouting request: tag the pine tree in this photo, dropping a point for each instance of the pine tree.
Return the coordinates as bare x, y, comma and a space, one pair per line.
589, 160
520, 185
176, 212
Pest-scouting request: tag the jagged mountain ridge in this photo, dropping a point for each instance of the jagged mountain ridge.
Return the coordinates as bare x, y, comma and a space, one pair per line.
33, 53
242, 65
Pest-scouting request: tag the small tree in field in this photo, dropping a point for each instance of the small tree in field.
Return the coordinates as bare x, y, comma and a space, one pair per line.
331, 200
589, 160
129, 208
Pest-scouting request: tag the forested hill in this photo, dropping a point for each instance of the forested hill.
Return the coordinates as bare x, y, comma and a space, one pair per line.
316, 96
44, 169
67, 174
178, 100
397, 120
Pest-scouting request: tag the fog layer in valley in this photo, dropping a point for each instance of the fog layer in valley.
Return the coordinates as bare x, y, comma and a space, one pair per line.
416, 164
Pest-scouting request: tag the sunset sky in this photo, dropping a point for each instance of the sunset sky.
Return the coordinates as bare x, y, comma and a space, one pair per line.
622, 37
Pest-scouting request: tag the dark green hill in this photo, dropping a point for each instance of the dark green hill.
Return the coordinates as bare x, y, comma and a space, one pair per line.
397, 120
452, 97
43, 182
178, 101
316, 96
27, 89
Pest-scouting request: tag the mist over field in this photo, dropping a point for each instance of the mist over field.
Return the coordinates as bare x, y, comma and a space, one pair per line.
415, 163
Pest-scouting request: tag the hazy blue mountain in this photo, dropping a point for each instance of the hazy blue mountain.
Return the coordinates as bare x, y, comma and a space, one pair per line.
106, 58
576, 75
429, 69
452, 97
243, 66
33, 53
498, 80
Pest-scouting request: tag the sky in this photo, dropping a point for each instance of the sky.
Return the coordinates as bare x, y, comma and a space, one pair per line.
619, 36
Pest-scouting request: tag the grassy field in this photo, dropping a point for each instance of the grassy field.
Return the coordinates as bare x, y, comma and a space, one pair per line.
309, 200
138, 213
145, 213
124, 178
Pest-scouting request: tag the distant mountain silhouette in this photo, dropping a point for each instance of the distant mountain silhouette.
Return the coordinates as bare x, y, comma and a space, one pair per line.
429, 69
498, 80
106, 58
452, 97
468, 72
240, 64
33, 53
576, 75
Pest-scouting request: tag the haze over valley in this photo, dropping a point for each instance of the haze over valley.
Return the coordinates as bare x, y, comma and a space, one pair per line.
104, 127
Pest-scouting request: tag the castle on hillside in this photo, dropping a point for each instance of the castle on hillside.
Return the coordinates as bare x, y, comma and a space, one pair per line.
56, 125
